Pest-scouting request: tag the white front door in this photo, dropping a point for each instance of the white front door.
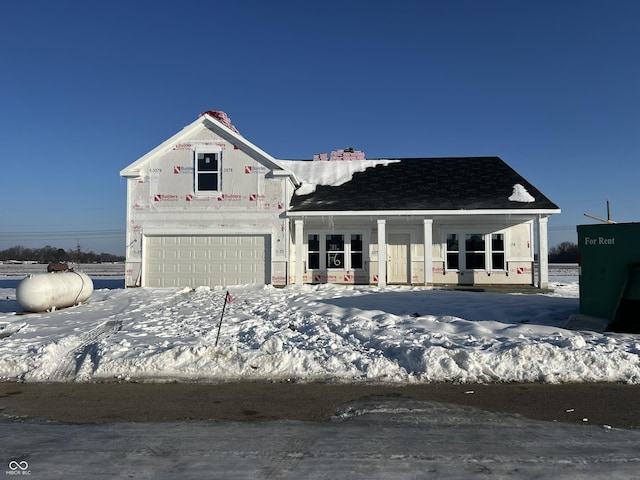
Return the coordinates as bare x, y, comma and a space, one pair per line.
398, 253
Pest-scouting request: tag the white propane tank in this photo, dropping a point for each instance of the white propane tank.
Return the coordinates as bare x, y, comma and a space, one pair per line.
46, 291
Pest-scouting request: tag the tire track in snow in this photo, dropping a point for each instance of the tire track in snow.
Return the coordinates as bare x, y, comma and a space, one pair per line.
86, 346
6, 330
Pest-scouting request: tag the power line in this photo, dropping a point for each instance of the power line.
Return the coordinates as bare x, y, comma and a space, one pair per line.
62, 235
562, 227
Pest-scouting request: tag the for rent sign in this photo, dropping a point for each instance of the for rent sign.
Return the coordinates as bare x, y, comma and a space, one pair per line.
609, 276
600, 241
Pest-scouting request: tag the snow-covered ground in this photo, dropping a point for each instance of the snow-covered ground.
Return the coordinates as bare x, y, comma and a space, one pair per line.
311, 333
395, 334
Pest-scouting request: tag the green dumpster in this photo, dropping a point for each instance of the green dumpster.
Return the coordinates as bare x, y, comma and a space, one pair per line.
609, 257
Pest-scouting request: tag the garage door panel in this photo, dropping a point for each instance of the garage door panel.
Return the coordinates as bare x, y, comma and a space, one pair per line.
190, 261
247, 255
200, 255
230, 254
216, 269
168, 255
247, 269
154, 254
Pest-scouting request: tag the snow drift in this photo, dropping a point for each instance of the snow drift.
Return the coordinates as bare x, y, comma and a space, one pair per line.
313, 333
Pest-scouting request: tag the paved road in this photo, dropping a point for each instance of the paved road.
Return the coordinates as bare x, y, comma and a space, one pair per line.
376, 437
596, 404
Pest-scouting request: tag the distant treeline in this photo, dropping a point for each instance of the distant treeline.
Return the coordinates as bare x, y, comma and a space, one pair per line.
50, 254
565, 252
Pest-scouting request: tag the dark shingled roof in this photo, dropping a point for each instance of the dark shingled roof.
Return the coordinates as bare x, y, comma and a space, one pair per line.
463, 183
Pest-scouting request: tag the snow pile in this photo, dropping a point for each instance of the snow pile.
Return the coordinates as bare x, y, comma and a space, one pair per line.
312, 174
520, 194
222, 117
311, 333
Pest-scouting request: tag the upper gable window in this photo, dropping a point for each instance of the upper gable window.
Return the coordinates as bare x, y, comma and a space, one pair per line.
207, 171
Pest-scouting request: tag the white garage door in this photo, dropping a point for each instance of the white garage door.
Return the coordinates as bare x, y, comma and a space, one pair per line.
194, 261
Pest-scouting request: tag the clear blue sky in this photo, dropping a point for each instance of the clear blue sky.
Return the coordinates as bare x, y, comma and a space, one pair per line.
86, 88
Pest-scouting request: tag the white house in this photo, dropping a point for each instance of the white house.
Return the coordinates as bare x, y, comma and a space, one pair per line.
207, 207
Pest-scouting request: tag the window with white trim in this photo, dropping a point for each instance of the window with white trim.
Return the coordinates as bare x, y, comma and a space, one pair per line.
356, 251
313, 251
207, 171
336, 251
497, 251
453, 252
475, 251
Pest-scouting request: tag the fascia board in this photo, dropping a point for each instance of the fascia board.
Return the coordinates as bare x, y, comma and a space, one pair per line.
415, 213
129, 174
133, 170
239, 140
207, 231
285, 171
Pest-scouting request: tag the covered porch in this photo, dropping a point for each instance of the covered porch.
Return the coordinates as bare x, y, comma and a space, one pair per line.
409, 249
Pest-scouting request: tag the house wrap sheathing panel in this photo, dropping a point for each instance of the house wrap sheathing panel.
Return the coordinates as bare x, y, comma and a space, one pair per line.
163, 202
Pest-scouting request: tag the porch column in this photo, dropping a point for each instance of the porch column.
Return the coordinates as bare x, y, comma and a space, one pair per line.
299, 232
428, 251
382, 253
543, 252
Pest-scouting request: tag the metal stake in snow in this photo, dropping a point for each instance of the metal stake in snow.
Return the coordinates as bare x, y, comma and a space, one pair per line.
227, 299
